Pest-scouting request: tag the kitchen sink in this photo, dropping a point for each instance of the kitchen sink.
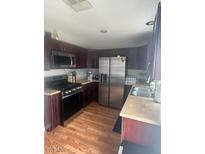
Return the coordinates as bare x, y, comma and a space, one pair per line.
142, 92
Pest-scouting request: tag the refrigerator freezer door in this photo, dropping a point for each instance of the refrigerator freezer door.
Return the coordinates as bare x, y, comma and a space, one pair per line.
117, 79
104, 80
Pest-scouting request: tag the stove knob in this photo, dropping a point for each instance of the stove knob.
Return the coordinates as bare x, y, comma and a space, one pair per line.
66, 92
69, 91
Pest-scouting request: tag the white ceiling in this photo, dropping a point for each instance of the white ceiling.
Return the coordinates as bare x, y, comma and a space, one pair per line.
123, 19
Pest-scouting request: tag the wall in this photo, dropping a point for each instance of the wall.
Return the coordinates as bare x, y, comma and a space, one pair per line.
80, 73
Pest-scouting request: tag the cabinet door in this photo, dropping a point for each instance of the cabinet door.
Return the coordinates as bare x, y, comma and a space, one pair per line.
92, 59
85, 95
131, 58
51, 111
95, 91
141, 133
47, 38
81, 57
141, 58
54, 44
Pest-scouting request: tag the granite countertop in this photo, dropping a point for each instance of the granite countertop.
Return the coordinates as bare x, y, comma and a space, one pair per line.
141, 109
50, 91
85, 81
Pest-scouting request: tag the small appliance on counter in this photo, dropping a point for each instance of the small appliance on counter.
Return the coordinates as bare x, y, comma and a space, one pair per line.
90, 76
72, 77
95, 77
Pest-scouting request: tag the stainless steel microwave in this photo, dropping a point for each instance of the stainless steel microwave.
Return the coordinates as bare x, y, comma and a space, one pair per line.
62, 60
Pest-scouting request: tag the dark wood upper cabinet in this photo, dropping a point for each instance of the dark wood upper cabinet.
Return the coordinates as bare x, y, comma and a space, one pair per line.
92, 59
81, 56
141, 61
47, 39
136, 58
60, 45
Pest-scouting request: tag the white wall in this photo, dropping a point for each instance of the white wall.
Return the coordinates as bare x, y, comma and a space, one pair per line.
80, 73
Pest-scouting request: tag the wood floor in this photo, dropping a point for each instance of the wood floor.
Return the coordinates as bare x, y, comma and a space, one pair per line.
87, 133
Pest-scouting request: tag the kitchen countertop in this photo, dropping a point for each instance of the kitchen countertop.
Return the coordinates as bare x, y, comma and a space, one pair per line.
85, 81
141, 109
50, 91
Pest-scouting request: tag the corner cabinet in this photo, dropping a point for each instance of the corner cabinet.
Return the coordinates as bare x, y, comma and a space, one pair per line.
51, 111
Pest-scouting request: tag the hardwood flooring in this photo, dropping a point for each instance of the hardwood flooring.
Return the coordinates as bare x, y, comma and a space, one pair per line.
89, 132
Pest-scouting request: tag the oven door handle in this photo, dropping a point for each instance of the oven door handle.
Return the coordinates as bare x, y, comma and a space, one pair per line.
63, 97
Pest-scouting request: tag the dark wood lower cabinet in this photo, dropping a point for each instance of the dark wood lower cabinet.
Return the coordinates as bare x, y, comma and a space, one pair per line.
51, 111
90, 93
141, 133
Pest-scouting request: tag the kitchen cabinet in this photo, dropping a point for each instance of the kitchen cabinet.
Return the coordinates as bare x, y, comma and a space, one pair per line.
52, 44
141, 58
47, 38
60, 45
92, 59
90, 93
155, 48
136, 58
51, 111
81, 56
141, 133
95, 86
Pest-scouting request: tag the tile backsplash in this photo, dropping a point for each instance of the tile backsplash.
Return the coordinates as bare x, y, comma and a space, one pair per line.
136, 74
80, 73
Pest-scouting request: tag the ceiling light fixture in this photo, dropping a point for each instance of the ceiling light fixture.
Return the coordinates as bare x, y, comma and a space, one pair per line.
150, 23
103, 31
79, 5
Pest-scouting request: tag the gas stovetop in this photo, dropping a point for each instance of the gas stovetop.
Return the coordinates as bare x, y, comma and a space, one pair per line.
66, 88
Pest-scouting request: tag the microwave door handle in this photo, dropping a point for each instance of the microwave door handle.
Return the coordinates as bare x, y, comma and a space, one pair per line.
71, 60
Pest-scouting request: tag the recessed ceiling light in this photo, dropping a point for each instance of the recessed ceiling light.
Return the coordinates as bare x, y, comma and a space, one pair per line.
103, 31
150, 23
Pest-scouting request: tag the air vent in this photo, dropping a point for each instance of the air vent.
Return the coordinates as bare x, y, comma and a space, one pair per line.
79, 5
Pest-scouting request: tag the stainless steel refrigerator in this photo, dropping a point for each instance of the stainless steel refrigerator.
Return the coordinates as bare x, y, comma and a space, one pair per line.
112, 78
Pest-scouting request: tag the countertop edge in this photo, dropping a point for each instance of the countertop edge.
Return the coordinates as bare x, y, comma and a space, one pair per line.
139, 119
84, 82
53, 93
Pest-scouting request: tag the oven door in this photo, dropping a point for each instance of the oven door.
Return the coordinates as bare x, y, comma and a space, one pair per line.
70, 105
